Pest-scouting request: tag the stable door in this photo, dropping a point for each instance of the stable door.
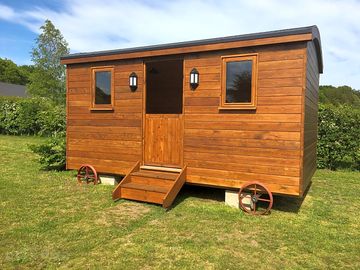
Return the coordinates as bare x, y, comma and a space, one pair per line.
163, 133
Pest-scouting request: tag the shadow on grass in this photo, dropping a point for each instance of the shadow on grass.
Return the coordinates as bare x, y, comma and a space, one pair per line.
290, 204
200, 192
287, 204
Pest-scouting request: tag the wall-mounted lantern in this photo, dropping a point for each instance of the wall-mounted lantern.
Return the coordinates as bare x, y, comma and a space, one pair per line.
133, 81
194, 79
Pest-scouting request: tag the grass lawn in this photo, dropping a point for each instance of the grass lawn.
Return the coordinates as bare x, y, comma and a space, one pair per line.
49, 221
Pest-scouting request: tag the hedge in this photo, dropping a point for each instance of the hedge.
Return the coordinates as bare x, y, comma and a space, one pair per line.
338, 137
37, 116
30, 116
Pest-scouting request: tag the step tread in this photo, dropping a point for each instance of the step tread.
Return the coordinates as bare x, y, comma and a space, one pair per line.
152, 188
160, 168
156, 174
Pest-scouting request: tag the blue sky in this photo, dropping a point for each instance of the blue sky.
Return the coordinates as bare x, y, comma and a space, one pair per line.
90, 25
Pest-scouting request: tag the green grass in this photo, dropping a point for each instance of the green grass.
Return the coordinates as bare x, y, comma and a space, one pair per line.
48, 221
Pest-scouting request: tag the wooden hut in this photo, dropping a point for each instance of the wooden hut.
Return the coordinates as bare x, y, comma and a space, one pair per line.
216, 112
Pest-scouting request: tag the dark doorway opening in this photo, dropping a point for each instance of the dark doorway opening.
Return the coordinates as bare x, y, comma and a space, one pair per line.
164, 87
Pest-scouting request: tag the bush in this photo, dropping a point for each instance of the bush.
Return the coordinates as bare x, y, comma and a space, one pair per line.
338, 137
52, 121
52, 152
37, 116
27, 115
8, 115
30, 116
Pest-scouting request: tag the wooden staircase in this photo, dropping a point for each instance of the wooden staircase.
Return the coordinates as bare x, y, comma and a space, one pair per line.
151, 184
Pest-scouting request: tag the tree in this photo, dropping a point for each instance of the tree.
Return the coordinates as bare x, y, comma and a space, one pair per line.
48, 77
11, 73
341, 95
26, 70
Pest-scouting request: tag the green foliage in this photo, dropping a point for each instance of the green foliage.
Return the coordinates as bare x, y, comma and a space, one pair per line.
342, 95
48, 77
37, 116
53, 152
11, 73
30, 116
18, 116
26, 70
338, 136
52, 120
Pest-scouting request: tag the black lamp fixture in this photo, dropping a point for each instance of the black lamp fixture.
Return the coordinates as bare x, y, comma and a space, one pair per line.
194, 79
133, 81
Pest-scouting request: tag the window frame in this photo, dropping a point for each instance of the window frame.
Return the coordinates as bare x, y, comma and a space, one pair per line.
254, 73
102, 107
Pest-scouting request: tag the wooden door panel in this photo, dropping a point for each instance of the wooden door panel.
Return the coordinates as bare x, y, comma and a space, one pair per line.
163, 140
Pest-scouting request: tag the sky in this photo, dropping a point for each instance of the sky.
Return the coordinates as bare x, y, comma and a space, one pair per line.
90, 25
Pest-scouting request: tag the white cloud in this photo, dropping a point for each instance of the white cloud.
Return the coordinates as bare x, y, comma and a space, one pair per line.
109, 24
6, 13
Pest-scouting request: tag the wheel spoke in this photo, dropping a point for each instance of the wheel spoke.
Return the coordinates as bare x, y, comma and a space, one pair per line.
256, 190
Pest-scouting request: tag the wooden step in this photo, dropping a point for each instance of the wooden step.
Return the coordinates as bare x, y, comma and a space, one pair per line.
152, 186
152, 181
138, 186
156, 174
142, 195
159, 168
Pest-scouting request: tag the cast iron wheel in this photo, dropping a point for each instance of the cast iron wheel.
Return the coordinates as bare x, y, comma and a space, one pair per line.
87, 174
259, 197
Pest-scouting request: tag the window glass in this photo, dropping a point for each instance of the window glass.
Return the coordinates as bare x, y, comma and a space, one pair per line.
102, 87
238, 81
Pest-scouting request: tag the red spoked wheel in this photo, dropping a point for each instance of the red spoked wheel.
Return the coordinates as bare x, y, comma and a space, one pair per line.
255, 198
87, 174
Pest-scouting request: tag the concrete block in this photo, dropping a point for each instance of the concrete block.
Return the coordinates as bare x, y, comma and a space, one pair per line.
232, 199
107, 179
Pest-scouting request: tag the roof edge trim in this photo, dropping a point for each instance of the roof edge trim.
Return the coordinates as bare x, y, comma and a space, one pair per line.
313, 30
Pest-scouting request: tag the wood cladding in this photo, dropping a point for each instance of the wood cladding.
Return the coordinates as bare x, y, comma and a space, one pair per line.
228, 148
111, 140
310, 108
274, 144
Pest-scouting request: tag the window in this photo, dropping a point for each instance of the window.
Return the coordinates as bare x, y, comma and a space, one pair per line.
239, 82
102, 88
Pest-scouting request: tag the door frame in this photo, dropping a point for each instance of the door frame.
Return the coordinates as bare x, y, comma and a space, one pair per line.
159, 59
